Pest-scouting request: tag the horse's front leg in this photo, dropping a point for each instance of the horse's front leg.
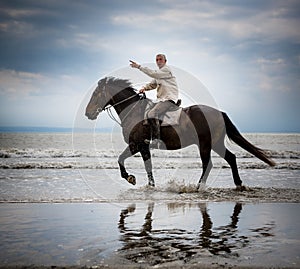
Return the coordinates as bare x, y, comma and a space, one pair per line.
128, 152
146, 155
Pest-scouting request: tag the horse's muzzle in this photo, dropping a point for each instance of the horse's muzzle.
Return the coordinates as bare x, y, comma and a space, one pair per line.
91, 116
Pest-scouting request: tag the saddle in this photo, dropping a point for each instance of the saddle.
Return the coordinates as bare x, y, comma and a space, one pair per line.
171, 117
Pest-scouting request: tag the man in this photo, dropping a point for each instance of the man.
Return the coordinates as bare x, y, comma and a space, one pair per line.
167, 91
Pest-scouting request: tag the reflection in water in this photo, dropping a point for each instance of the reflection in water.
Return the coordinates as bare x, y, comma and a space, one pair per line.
225, 238
156, 246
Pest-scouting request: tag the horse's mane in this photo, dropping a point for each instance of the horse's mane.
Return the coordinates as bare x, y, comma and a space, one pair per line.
120, 83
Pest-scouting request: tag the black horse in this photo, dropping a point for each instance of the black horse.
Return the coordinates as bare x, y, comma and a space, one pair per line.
198, 124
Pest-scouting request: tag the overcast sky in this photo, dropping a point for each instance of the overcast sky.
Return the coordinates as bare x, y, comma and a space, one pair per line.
247, 54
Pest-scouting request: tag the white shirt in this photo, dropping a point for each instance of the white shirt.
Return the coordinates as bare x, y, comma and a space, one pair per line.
164, 81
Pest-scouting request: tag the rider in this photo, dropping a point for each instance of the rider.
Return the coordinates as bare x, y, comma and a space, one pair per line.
167, 91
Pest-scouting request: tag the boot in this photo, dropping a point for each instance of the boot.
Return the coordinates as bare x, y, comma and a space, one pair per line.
155, 134
146, 123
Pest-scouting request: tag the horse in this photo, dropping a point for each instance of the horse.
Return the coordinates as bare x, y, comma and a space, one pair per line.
199, 125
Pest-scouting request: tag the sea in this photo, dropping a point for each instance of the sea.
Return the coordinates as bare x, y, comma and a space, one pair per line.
61, 165
64, 203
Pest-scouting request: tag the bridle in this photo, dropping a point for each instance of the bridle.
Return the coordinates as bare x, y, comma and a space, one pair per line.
103, 90
108, 108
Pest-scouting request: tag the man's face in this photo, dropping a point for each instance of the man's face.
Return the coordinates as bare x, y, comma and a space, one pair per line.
160, 61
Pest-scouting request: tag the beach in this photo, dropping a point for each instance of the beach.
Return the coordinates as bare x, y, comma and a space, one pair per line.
64, 204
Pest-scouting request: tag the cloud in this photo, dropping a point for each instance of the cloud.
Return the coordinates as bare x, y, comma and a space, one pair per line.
35, 99
273, 23
16, 84
51, 50
17, 28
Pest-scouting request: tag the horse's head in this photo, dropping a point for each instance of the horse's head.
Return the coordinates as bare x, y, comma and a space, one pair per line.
99, 100
106, 93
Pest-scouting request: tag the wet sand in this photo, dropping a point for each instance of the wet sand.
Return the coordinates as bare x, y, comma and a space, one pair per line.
150, 235
215, 265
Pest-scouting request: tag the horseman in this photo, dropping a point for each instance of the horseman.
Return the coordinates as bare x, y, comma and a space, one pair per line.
167, 93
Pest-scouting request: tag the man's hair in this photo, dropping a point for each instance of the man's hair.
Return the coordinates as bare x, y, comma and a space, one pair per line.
162, 55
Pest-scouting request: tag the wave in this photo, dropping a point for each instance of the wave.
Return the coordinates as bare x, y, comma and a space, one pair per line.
51, 158
133, 165
52, 153
111, 153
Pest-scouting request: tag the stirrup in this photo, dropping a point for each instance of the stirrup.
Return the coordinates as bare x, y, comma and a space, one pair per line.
156, 143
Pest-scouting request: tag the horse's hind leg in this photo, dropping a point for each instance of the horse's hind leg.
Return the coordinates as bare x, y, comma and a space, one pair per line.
230, 159
128, 152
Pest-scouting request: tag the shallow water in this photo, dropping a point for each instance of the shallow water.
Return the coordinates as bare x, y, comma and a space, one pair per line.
63, 202
93, 185
47, 167
152, 233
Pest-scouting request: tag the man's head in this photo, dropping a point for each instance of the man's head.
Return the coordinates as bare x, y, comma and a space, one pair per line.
161, 60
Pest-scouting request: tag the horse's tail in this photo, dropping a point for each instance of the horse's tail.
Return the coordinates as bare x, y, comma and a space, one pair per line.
235, 136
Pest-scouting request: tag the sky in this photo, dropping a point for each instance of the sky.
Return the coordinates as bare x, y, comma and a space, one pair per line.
246, 53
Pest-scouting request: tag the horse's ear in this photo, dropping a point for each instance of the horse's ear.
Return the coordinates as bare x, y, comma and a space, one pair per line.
100, 81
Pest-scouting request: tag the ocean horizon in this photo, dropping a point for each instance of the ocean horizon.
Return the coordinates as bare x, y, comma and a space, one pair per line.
43, 129
47, 129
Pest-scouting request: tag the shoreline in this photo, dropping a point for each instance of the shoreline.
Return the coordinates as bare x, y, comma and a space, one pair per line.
181, 193
198, 266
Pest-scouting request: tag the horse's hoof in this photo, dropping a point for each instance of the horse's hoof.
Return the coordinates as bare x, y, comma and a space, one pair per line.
131, 179
201, 186
151, 184
241, 188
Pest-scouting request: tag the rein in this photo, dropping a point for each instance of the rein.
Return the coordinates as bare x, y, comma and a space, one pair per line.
119, 102
108, 108
110, 114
